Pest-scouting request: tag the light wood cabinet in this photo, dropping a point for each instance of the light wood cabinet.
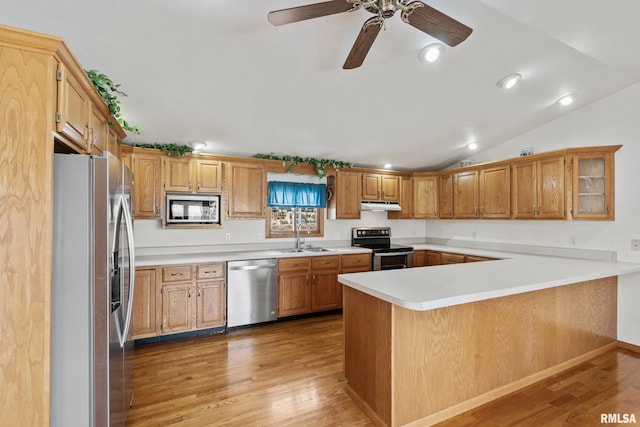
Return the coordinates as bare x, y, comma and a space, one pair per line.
188, 175
538, 189
380, 187
593, 184
246, 190
192, 297
143, 323
434, 258
445, 196
494, 192
406, 200
425, 200
419, 258
326, 292
451, 258
146, 186
347, 194
73, 109
97, 132
465, 195
355, 263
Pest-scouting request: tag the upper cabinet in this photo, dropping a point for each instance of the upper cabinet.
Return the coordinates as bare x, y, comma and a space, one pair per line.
146, 186
465, 195
538, 188
593, 185
347, 194
494, 186
406, 200
445, 196
380, 187
192, 175
425, 197
246, 190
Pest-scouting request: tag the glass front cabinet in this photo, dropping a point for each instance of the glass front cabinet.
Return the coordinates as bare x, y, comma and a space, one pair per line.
593, 186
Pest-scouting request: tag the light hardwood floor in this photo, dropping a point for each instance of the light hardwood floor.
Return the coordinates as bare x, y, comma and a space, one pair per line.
291, 374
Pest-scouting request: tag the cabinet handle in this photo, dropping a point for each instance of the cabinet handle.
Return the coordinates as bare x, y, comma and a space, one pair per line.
157, 209
314, 278
189, 293
307, 278
189, 184
198, 183
608, 213
177, 274
198, 292
210, 272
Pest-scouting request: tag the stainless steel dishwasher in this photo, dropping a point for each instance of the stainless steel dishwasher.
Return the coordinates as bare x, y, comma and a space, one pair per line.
252, 291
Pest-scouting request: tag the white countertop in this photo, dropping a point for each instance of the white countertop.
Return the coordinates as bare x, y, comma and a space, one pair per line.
222, 256
427, 288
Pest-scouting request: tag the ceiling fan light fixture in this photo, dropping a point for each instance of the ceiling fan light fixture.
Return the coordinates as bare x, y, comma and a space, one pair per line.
565, 101
431, 53
509, 81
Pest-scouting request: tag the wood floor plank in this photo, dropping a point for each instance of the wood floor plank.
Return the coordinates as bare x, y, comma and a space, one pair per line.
291, 374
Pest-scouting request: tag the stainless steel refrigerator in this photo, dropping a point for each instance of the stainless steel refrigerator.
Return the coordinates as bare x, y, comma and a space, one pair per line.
92, 294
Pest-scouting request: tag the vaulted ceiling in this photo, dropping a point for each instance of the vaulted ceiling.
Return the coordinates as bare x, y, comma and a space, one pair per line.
217, 71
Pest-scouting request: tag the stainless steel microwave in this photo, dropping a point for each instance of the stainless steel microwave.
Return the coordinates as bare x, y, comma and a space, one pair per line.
192, 209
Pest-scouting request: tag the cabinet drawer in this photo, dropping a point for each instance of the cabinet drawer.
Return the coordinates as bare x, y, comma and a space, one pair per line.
449, 258
356, 260
294, 264
176, 273
209, 271
331, 262
475, 258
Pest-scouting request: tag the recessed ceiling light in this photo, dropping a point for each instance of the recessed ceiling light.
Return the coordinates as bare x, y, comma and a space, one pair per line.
197, 146
472, 146
565, 100
509, 81
387, 165
431, 53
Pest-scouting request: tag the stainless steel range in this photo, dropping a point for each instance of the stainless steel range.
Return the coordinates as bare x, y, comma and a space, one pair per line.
386, 256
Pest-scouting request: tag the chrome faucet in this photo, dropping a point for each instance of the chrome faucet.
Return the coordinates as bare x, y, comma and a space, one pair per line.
298, 242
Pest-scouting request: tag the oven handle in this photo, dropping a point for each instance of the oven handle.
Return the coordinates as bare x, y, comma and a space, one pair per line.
393, 253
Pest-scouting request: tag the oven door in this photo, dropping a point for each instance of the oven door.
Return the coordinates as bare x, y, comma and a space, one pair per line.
392, 260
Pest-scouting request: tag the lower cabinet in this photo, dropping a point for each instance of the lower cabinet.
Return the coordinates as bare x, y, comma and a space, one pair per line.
143, 322
422, 258
308, 284
191, 297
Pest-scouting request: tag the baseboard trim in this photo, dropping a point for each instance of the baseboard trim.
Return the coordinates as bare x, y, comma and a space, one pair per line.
511, 387
629, 346
365, 408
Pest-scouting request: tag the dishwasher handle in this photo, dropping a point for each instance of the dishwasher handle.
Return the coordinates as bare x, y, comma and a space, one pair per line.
252, 267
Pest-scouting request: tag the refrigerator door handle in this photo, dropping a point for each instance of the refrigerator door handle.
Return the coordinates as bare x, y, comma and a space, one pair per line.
132, 269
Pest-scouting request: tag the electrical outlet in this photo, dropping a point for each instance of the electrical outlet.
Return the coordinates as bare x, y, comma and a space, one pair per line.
227, 236
635, 244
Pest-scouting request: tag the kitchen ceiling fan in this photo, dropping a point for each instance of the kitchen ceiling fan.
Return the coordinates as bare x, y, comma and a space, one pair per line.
415, 13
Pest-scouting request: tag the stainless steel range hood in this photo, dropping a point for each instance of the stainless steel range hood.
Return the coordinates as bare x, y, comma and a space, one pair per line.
379, 206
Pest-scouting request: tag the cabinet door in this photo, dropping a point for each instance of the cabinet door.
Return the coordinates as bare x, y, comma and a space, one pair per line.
465, 194
325, 291
144, 304
177, 175
445, 196
425, 190
73, 109
246, 192
449, 258
348, 195
210, 306
208, 176
389, 188
146, 191
593, 196
114, 145
293, 294
406, 200
97, 132
419, 258
494, 187
551, 189
370, 186
434, 258
524, 193
176, 307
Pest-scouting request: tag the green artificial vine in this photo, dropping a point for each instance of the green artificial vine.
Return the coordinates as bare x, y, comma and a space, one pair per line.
109, 92
320, 165
173, 150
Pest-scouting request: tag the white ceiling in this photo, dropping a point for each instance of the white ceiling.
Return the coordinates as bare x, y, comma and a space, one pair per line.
217, 71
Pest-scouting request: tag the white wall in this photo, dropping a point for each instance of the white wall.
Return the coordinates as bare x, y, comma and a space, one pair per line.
611, 121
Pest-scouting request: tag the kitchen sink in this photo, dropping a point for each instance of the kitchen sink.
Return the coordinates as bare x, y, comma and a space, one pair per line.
316, 250
296, 250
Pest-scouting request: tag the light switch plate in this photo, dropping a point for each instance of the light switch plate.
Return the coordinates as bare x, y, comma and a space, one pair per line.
635, 244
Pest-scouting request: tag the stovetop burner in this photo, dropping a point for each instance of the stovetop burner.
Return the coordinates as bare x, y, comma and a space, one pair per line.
377, 239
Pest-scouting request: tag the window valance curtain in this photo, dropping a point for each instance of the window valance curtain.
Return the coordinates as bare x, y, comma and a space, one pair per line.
297, 195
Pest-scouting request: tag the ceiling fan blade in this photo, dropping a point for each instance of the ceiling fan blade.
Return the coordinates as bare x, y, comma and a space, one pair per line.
302, 13
363, 43
435, 23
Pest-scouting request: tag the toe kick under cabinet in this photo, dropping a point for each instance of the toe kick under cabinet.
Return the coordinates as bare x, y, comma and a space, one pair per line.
179, 298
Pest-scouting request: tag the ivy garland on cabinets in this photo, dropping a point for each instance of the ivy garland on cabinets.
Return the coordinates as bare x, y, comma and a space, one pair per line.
173, 150
320, 165
109, 92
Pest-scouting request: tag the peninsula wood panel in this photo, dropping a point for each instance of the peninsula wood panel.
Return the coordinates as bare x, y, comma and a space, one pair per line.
490, 344
27, 105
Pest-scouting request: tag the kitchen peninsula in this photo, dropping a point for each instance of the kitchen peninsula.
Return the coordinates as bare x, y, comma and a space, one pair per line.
424, 344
